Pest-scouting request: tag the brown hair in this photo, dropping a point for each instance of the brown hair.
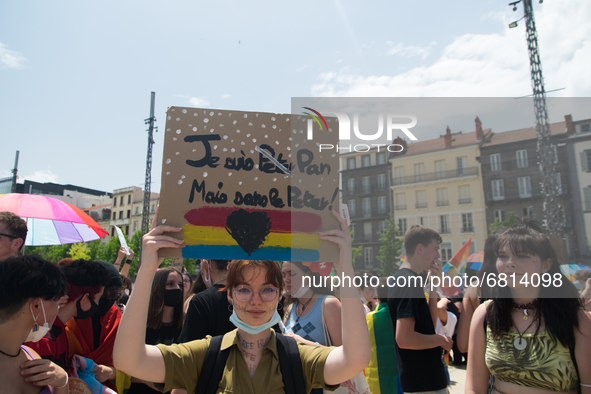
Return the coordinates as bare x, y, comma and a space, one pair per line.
15, 225
156, 308
418, 234
237, 267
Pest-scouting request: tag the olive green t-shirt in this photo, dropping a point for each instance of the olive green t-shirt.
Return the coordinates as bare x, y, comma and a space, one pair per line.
184, 362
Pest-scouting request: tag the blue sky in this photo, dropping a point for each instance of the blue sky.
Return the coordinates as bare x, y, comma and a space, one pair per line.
76, 77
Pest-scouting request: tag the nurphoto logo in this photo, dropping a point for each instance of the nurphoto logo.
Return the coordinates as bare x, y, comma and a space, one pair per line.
390, 122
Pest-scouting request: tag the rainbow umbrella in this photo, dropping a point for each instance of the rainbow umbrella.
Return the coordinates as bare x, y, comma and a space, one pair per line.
569, 270
51, 221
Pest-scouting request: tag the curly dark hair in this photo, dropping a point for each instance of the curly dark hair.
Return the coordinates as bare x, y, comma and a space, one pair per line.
85, 276
26, 277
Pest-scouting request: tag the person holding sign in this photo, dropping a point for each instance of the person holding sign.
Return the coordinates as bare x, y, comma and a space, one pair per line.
253, 288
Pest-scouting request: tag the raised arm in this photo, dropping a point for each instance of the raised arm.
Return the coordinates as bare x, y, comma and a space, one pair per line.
465, 318
348, 360
130, 354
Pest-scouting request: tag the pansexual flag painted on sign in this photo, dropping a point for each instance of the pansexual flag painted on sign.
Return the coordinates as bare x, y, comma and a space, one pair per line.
251, 234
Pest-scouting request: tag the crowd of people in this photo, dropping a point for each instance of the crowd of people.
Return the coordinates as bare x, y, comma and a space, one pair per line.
256, 327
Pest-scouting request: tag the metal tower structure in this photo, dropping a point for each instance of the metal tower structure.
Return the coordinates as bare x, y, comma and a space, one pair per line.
148, 182
14, 173
554, 214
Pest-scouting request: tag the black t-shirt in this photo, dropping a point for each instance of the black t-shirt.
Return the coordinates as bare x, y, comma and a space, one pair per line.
208, 314
167, 334
419, 370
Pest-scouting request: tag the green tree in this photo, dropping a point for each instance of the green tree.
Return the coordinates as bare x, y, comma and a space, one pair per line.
79, 251
391, 248
499, 225
53, 253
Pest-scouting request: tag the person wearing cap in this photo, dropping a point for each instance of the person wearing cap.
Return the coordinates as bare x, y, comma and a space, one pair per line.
94, 337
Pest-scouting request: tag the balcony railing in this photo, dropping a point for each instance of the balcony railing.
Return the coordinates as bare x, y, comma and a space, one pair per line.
400, 207
444, 230
513, 194
436, 176
468, 229
443, 203
465, 201
421, 205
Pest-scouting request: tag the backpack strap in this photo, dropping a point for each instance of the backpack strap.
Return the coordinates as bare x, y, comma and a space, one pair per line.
291, 365
213, 367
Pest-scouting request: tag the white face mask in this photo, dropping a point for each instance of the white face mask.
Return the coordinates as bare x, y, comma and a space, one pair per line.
37, 332
300, 293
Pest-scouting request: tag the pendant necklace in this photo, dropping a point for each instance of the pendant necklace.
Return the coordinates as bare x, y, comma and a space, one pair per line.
304, 305
519, 342
526, 308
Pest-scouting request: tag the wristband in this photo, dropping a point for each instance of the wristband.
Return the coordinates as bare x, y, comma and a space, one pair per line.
128, 261
61, 387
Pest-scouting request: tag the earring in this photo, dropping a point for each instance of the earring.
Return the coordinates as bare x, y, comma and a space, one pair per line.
279, 306
230, 307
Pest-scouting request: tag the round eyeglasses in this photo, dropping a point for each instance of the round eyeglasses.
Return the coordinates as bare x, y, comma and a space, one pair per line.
267, 293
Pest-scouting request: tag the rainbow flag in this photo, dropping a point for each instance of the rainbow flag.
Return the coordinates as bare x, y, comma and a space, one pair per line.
382, 371
455, 266
251, 234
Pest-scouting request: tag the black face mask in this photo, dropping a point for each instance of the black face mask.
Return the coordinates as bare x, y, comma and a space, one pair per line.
173, 297
104, 306
80, 314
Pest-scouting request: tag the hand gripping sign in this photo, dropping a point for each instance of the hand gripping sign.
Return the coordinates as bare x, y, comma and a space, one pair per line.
248, 185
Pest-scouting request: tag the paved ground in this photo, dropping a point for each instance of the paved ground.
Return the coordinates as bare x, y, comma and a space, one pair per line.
457, 377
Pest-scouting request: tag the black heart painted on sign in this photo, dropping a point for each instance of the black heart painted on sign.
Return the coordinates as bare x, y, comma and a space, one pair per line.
249, 229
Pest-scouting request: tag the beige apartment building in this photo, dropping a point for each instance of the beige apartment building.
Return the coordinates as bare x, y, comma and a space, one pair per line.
127, 210
438, 184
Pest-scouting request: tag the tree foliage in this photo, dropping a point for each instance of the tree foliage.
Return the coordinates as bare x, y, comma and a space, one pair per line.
79, 251
391, 248
499, 225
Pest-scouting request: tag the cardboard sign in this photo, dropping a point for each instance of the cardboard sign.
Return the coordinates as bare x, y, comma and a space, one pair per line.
248, 185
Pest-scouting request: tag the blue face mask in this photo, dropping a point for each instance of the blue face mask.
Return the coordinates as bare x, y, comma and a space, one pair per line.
254, 330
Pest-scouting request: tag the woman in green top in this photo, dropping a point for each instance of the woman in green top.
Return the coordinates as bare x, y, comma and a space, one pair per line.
252, 365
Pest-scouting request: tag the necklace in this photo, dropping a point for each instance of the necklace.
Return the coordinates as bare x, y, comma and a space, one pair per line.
526, 308
519, 342
14, 358
304, 305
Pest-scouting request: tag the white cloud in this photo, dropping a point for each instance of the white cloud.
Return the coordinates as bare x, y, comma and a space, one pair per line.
198, 102
40, 176
484, 65
10, 59
410, 50
226, 96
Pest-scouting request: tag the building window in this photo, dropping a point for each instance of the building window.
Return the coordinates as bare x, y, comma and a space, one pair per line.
442, 197
134, 227
524, 187
400, 201
367, 231
153, 208
115, 202
129, 199
137, 210
381, 158
351, 185
499, 214
399, 173
382, 205
353, 228
444, 225
351, 163
445, 251
498, 190
114, 215
121, 201
528, 212
113, 232
461, 165
421, 199
422, 220
381, 182
382, 226
365, 183
587, 193
555, 153
521, 158
367, 256
351, 205
366, 204
365, 161
120, 214
402, 225
495, 162
467, 223
420, 172
127, 230
128, 213
465, 197
440, 169
585, 128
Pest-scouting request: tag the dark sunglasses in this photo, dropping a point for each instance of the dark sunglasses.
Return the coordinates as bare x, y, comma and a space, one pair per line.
9, 236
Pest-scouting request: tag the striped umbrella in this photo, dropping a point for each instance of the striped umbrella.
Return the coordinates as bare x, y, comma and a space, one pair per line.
51, 221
